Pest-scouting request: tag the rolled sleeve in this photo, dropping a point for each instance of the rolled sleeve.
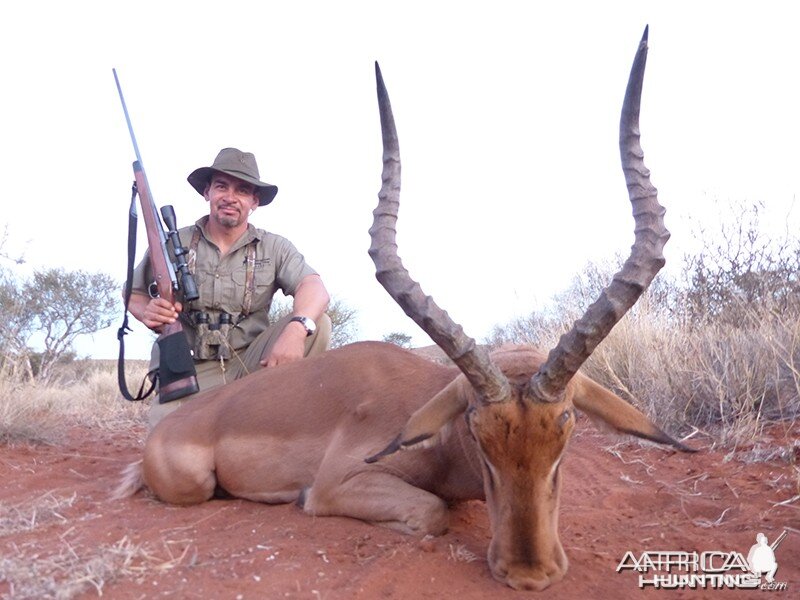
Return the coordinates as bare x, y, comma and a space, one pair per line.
142, 277
291, 267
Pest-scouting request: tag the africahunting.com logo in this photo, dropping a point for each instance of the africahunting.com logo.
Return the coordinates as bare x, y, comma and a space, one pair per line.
714, 569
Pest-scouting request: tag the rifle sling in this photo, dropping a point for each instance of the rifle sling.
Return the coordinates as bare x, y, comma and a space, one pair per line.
124, 329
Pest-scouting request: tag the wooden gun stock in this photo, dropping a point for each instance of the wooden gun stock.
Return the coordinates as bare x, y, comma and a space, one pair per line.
163, 271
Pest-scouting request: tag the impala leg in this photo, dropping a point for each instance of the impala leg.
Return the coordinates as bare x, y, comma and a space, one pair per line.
381, 499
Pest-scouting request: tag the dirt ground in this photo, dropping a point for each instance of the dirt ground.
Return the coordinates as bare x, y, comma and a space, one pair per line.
618, 496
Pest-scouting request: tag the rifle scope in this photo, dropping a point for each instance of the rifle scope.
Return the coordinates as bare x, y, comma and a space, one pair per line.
187, 279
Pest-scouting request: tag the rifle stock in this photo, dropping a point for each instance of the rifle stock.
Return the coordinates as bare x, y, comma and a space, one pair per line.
163, 271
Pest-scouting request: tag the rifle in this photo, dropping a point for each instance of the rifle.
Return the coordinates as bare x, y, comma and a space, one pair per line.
176, 373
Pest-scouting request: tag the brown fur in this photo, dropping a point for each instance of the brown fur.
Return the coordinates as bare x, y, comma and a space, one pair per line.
302, 432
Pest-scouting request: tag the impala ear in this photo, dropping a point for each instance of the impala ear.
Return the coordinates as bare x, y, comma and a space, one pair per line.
424, 426
606, 408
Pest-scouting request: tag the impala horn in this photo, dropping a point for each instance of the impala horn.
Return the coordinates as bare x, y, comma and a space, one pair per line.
645, 261
487, 380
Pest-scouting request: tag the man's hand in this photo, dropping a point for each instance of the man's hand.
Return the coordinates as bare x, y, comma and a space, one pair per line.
289, 347
153, 312
310, 299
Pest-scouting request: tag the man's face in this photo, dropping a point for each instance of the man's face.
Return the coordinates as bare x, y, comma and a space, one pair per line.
231, 199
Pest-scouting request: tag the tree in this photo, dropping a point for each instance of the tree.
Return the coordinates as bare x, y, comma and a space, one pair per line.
15, 315
398, 338
66, 304
4, 255
18, 324
343, 319
742, 272
343, 323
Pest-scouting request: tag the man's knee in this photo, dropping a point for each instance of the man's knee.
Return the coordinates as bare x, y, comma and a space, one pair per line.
158, 411
209, 373
320, 341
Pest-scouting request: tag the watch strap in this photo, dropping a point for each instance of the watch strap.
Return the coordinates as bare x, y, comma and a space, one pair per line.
304, 321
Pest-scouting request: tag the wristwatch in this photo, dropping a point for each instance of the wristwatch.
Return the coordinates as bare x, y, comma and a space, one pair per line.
310, 326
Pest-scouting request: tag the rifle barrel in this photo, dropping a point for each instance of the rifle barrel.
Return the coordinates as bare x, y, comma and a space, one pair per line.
133, 139
127, 118
155, 230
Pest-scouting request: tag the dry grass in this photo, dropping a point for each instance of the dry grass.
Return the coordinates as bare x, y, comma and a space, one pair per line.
39, 413
729, 379
47, 508
74, 570
714, 348
42, 414
22, 420
69, 568
460, 553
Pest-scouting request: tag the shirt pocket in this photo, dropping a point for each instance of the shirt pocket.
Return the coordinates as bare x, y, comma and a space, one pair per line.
206, 288
263, 288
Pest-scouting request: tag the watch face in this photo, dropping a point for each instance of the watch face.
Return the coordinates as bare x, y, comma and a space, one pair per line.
310, 326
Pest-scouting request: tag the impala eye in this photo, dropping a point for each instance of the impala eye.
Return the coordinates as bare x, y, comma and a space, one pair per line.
564, 418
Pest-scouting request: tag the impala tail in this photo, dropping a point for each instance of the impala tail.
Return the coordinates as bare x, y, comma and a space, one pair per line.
132, 481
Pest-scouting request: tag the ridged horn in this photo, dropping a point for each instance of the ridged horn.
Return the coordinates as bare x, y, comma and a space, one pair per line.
645, 261
487, 380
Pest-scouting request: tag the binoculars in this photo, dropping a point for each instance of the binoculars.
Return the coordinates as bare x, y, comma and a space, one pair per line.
211, 339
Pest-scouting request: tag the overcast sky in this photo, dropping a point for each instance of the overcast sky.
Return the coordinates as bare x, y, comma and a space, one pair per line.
507, 114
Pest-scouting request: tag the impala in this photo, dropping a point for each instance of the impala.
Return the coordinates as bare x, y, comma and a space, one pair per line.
372, 431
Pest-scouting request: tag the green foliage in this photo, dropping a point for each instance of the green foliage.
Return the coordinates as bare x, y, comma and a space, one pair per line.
19, 323
51, 309
68, 304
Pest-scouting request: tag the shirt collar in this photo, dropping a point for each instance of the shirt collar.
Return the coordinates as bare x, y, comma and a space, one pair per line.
248, 236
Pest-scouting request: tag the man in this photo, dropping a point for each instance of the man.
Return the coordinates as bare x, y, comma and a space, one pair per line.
237, 268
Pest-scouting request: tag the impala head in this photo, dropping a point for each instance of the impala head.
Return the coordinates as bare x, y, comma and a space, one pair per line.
521, 443
519, 405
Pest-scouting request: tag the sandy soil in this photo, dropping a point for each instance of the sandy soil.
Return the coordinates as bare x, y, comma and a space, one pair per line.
617, 497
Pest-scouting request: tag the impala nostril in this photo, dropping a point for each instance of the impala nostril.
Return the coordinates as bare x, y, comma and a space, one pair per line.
529, 582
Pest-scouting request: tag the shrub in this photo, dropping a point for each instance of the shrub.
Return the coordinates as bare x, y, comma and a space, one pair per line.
718, 346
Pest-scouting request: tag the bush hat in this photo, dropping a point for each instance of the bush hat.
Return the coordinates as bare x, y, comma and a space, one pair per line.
235, 163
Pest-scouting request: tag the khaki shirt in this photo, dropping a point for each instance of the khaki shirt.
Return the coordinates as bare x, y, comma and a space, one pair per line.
221, 279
